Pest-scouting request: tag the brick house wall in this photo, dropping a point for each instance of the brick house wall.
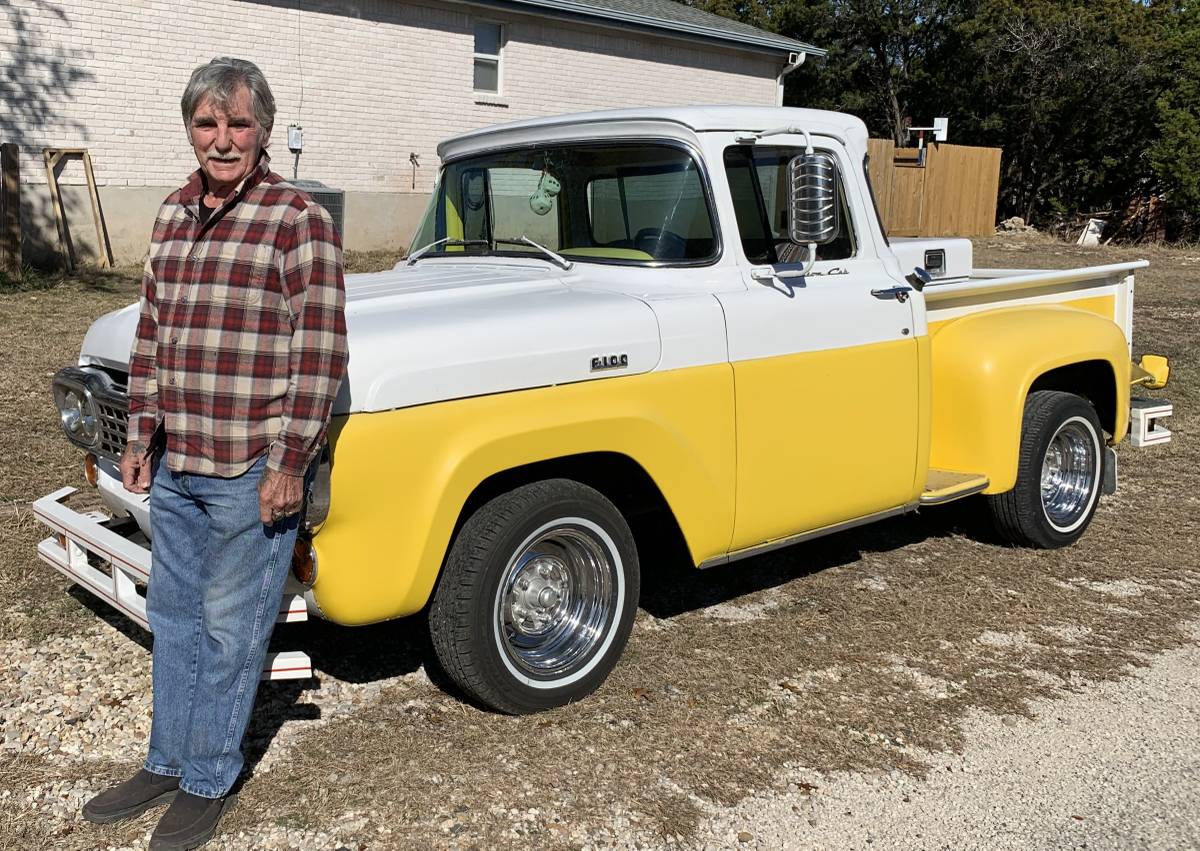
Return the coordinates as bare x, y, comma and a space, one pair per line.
370, 82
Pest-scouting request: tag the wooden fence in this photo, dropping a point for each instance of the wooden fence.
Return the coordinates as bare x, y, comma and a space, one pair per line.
950, 192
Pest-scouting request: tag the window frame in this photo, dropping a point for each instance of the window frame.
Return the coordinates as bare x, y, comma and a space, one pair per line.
874, 200
764, 215
498, 57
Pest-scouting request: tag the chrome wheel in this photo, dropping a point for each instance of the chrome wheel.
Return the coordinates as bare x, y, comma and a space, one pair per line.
1059, 467
537, 597
1070, 474
558, 599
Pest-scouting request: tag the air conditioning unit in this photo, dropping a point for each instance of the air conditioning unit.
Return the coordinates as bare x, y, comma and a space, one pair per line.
333, 200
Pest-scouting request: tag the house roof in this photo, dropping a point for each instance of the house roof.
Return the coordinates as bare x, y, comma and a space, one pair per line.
665, 15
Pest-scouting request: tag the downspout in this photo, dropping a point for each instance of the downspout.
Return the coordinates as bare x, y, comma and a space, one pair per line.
794, 61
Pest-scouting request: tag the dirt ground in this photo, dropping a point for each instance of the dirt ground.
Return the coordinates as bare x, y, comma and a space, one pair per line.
861, 651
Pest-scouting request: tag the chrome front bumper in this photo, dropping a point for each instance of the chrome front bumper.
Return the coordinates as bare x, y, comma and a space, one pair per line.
88, 551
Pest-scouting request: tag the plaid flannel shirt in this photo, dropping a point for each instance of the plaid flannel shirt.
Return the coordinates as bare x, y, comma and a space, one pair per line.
241, 339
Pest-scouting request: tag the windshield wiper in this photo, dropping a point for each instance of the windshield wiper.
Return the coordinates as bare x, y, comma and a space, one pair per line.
425, 249
557, 258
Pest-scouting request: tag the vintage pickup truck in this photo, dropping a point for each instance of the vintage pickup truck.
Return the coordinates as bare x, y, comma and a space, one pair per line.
692, 312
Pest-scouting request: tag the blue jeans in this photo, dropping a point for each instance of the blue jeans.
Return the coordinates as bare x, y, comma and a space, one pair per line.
216, 581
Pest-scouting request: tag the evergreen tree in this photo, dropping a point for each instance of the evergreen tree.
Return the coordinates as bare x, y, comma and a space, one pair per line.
1095, 102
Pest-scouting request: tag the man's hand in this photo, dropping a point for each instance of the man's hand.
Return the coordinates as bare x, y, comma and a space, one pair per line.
279, 496
135, 467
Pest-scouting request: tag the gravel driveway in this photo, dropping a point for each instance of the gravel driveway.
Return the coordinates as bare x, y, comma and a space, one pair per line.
1114, 766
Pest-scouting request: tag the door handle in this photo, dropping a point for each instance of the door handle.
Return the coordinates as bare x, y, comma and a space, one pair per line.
900, 294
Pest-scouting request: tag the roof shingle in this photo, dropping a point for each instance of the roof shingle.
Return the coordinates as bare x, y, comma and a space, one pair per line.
672, 16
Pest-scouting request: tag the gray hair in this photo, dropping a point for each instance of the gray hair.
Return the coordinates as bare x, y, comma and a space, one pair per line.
220, 79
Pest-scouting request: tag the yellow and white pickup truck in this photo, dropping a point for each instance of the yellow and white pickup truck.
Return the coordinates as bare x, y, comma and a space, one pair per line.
687, 311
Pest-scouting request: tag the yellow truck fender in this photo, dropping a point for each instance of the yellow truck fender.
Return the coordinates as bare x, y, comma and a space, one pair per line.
985, 364
400, 479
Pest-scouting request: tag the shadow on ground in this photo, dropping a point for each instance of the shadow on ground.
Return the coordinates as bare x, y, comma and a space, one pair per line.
87, 278
671, 586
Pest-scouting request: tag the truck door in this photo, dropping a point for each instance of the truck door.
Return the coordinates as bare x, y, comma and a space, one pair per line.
825, 366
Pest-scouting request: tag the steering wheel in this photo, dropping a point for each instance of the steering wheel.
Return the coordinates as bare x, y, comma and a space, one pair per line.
660, 243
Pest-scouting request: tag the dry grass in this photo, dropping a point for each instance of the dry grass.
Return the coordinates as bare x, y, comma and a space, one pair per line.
859, 651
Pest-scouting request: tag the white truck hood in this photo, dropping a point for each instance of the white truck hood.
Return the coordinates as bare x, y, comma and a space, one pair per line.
447, 330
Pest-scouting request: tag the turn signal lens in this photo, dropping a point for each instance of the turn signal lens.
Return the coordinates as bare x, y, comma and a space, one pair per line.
89, 469
62, 540
304, 561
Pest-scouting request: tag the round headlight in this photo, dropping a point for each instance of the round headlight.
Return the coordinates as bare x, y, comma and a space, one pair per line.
78, 418
69, 409
89, 430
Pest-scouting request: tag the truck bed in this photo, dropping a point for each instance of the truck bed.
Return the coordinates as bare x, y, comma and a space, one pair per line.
1104, 290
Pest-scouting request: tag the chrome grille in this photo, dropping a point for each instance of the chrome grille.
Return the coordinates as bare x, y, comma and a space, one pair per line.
113, 413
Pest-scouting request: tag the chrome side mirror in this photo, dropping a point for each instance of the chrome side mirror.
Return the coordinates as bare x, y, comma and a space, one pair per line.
813, 199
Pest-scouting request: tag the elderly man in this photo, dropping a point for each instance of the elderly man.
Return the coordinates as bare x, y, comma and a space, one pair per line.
238, 355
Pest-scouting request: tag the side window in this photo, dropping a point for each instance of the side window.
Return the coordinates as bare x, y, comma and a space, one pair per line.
659, 211
489, 37
757, 177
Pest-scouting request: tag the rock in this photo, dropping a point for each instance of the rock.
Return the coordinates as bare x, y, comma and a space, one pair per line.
745, 836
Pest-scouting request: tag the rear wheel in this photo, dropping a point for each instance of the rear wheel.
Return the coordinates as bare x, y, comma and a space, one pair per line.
1058, 473
537, 598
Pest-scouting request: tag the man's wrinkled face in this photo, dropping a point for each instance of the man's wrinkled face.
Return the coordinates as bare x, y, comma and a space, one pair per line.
227, 141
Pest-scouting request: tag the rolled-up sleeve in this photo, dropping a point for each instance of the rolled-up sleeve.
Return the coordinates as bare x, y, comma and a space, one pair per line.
143, 373
314, 289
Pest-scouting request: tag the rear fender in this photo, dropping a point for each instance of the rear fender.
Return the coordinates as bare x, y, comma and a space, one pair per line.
984, 366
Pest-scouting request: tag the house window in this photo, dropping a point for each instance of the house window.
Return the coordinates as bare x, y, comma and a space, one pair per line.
488, 38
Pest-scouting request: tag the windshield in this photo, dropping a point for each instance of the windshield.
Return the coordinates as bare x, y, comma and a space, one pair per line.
610, 203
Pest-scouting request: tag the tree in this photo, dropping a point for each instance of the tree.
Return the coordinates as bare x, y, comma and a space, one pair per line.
1067, 90
1175, 155
1094, 102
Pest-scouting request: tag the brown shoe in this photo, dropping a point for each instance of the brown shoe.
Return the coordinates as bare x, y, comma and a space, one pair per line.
189, 822
132, 798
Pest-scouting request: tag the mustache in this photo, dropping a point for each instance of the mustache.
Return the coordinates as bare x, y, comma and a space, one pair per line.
228, 156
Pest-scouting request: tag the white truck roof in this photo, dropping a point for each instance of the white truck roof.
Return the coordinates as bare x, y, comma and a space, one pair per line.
669, 121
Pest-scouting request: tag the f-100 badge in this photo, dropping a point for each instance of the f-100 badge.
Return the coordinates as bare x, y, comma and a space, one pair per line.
602, 362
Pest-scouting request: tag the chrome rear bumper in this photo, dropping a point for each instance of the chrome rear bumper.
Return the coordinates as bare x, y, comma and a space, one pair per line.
1146, 421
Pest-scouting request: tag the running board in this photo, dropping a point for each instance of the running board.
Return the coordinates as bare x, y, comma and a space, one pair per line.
126, 565
946, 486
780, 543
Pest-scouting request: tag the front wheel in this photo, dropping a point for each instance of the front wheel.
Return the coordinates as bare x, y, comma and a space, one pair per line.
1058, 473
537, 597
